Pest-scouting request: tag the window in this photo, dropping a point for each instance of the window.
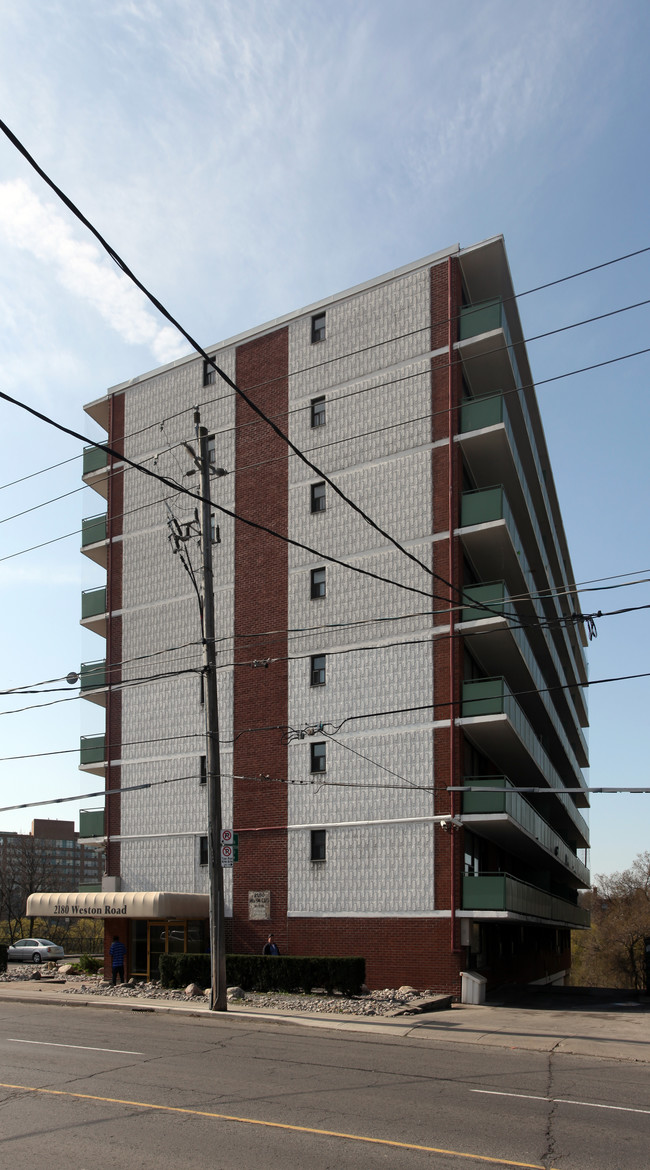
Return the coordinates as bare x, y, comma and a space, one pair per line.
318, 757
318, 670
318, 327
318, 844
318, 411
209, 374
215, 534
212, 450
203, 850
203, 770
318, 582
318, 497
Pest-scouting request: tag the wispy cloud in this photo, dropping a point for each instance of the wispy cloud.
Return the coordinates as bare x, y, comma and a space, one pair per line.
33, 225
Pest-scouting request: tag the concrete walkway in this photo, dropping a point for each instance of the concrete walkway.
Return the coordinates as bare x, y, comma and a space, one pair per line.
581, 1026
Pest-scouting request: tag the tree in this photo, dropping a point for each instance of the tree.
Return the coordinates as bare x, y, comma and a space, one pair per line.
26, 868
612, 953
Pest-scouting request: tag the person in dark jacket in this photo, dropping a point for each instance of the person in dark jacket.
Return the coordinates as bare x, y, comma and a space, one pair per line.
270, 946
117, 953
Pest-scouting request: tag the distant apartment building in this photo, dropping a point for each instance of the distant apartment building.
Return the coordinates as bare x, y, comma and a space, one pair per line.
51, 857
402, 743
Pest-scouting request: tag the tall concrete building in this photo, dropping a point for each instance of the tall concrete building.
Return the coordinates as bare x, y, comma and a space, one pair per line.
381, 710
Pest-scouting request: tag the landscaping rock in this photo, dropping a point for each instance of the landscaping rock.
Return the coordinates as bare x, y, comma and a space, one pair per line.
192, 990
234, 993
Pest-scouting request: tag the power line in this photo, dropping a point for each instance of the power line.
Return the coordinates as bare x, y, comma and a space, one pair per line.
195, 345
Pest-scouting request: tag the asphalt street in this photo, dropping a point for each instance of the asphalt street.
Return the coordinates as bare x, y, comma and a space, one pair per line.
96, 1089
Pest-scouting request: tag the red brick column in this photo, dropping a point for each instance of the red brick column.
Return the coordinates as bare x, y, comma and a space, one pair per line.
446, 385
260, 693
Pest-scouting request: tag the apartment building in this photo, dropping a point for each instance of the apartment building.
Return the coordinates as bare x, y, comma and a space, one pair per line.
50, 856
382, 702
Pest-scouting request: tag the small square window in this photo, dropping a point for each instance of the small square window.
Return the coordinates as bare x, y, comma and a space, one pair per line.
318, 327
203, 850
318, 844
318, 670
318, 497
318, 411
318, 583
209, 374
203, 770
318, 757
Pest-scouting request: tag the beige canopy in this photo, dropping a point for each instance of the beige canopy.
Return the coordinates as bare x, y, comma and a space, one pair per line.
146, 904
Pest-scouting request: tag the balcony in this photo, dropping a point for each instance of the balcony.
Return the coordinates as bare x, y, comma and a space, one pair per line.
511, 821
92, 681
92, 754
93, 539
493, 719
91, 828
495, 434
95, 469
504, 648
502, 896
93, 610
484, 334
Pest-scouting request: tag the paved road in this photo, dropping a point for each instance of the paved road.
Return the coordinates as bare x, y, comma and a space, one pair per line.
142, 1090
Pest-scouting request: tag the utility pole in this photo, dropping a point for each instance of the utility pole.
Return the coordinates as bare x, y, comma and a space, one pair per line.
218, 998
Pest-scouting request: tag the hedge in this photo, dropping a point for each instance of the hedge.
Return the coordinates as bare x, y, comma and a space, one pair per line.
268, 973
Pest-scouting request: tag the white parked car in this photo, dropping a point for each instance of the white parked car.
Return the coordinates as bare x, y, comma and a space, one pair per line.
34, 950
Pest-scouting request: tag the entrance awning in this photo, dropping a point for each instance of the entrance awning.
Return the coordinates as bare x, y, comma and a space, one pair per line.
146, 904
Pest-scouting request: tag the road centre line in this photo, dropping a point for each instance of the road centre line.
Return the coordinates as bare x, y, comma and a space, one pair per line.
86, 1047
353, 1137
559, 1101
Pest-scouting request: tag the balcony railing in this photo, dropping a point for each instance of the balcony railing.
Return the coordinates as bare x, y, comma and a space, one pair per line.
92, 750
492, 696
94, 459
91, 822
482, 318
501, 891
93, 602
515, 805
493, 594
92, 675
477, 413
93, 530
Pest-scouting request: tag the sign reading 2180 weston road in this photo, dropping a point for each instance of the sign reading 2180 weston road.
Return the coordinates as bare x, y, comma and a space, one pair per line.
74, 910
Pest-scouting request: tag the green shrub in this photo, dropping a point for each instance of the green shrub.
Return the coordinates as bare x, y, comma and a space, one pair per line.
179, 970
90, 964
268, 973
3, 958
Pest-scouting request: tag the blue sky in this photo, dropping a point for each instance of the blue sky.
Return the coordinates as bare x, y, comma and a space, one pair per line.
248, 158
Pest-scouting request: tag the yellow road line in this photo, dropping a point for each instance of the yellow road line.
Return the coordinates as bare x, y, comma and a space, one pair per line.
352, 1137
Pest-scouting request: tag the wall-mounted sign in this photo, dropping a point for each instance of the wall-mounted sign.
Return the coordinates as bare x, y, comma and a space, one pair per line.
259, 904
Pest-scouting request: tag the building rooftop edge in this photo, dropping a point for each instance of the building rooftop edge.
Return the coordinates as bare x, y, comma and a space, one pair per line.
285, 318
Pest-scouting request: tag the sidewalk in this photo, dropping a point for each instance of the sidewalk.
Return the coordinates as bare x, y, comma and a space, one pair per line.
612, 1030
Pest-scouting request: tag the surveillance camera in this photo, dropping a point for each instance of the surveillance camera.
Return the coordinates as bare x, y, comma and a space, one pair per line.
444, 825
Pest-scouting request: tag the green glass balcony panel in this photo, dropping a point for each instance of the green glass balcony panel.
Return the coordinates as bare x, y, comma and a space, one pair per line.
92, 749
90, 888
94, 459
93, 529
483, 696
516, 806
93, 602
493, 594
501, 892
481, 412
91, 822
482, 506
92, 674
481, 318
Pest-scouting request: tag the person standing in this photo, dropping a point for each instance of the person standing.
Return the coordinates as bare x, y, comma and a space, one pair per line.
270, 946
117, 953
